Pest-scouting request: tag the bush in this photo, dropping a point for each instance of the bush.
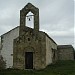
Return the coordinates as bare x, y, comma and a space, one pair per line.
74, 54
2, 63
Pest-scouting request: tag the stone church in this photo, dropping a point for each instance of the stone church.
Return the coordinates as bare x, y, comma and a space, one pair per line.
28, 48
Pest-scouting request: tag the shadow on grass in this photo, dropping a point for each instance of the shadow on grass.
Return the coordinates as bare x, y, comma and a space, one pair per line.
59, 68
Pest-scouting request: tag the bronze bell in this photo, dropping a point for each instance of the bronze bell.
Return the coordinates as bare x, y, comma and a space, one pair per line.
29, 19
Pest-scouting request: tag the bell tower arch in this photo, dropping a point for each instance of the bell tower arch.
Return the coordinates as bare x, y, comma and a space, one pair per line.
29, 8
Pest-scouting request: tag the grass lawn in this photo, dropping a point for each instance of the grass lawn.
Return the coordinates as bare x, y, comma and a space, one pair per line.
60, 68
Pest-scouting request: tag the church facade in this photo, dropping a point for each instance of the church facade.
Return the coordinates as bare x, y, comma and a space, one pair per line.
27, 48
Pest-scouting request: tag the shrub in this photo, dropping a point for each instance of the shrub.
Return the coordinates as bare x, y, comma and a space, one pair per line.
2, 63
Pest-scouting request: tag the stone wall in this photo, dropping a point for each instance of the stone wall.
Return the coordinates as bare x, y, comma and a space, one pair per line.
0, 45
50, 45
65, 52
36, 45
7, 46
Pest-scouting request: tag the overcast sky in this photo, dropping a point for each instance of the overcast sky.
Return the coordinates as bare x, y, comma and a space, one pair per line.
56, 17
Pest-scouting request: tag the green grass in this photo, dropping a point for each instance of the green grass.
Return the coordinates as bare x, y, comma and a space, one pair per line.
60, 68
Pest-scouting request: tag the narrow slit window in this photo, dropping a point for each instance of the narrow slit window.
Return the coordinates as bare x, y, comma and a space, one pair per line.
28, 39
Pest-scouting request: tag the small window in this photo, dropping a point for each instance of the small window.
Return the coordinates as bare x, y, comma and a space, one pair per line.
11, 54
28, 39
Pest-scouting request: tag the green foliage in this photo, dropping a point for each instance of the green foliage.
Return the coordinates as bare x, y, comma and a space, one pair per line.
2, 63
74, 54
59, 68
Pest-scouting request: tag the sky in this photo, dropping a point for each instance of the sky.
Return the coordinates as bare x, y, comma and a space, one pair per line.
56, 17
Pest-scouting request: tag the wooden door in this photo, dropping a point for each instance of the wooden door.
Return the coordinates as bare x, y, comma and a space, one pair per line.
28, 60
